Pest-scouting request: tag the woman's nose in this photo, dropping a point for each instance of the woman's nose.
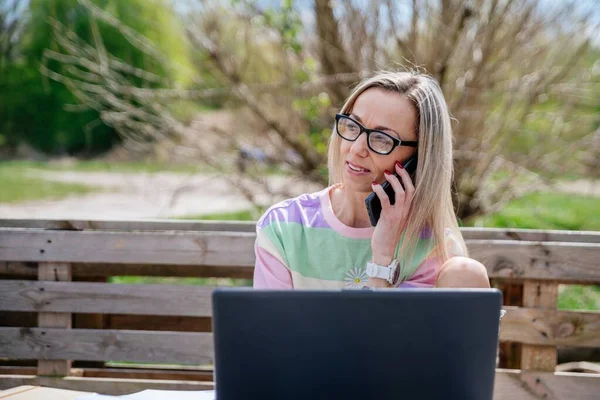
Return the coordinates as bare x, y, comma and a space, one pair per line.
360, 146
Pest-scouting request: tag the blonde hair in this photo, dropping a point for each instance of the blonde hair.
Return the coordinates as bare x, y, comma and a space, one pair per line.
431, 207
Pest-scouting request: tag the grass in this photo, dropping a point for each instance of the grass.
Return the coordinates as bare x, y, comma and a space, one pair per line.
18, 186
242, 215
138, 280
579, 297
546, 210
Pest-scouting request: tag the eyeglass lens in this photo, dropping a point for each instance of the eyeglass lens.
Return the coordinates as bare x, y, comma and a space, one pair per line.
378, 141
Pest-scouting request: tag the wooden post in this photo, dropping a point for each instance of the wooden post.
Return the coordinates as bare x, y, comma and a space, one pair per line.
54, 272
544, 296
510, 352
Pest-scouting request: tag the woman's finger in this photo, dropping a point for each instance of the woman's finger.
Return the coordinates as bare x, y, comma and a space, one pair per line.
383, 197
396, 185
409, 186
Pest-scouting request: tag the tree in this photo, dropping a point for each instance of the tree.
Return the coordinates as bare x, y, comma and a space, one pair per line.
513, 73
12, 24
50, 117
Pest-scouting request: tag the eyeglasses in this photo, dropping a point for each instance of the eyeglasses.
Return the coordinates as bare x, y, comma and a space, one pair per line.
378, 141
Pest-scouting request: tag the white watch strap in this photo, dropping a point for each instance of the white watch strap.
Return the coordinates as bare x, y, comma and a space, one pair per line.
377, 271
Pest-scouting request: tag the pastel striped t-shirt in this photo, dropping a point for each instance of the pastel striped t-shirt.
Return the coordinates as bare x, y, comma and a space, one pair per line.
301, 244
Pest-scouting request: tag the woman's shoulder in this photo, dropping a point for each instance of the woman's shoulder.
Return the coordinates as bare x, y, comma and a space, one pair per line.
299, 209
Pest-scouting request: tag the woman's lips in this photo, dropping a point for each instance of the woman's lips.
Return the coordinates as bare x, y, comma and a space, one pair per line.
355, 169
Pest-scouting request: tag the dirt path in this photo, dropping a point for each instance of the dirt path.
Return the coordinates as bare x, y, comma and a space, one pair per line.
140, 196
588, 188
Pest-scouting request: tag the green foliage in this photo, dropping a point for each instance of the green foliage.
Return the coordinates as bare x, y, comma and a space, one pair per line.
34, 105
579, 297
544, 210
20, 184
286, 20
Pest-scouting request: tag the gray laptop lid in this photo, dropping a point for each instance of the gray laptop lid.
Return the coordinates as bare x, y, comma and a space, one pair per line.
360, 344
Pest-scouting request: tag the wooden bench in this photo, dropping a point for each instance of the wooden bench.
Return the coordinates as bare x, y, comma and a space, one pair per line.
63, 324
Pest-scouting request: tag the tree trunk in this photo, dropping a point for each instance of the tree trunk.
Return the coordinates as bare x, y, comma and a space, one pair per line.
331, 52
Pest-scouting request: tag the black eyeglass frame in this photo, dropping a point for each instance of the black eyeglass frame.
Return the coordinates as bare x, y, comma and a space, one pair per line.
397, 142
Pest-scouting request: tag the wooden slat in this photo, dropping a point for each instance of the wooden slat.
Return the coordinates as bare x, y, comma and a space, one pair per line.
146, 373
175, 248
547, 327
101, 385
563, 262
509, 385
105, 298
514, 384
95, 270
53, 318
543, 296
84, 271
245, 226
134, 371
134, 225
530, 235
105, 345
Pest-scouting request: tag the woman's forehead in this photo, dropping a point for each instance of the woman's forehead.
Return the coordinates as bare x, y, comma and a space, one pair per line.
378, 107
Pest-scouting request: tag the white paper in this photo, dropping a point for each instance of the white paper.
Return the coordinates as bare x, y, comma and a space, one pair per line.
150, 394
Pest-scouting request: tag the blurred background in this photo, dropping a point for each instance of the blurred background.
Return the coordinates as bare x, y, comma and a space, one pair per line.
137, 109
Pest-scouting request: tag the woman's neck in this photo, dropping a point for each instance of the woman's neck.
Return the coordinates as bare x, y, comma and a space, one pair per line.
349, 207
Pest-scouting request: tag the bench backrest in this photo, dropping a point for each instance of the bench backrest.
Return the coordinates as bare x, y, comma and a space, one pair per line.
58, 272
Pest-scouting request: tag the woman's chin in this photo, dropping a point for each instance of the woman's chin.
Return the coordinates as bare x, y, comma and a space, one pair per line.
357, 187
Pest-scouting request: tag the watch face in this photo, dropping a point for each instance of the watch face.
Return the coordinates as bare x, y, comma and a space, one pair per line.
396, 275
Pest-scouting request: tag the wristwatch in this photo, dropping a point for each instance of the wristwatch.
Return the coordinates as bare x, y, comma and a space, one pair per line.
391, 273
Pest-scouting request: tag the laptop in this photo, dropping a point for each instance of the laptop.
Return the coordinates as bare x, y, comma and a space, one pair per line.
356, 344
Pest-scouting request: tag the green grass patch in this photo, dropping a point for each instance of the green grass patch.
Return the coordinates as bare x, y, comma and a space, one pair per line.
242, 215
18, 185
579, 297
546, 210
139, 280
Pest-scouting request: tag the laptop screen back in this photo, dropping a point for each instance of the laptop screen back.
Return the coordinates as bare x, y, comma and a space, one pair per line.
382, 344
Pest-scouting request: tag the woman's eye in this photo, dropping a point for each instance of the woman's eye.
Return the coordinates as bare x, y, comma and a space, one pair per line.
380, 139
352, 127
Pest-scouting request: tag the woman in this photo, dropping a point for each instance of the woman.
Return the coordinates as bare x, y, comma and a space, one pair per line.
326, 240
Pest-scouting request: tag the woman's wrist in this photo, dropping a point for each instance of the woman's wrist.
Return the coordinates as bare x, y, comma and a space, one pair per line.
381, 259
384, 261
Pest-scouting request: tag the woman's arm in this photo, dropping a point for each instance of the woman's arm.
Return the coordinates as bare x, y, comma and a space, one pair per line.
270, 272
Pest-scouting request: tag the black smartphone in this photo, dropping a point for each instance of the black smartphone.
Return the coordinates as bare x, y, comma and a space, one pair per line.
372, 201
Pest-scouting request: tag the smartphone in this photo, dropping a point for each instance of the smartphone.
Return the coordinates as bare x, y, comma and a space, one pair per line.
372, 201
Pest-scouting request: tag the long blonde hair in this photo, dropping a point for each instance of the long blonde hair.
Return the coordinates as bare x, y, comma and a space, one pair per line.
431, 207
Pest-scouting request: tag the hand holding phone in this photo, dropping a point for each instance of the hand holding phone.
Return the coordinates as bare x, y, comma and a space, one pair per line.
372, 201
